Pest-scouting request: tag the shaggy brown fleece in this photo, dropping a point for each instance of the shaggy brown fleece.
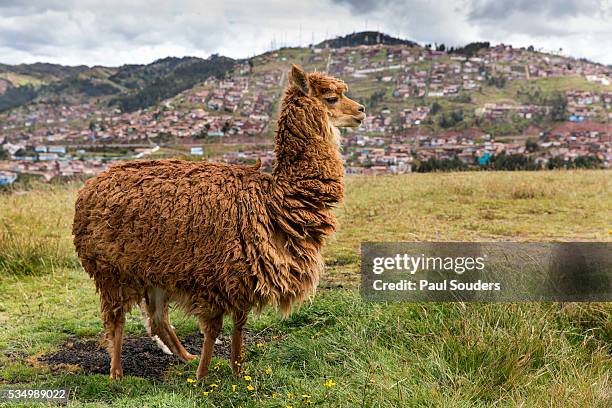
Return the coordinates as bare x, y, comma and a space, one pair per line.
218, 239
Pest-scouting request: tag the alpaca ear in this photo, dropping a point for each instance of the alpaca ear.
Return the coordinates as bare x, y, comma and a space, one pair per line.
298, 78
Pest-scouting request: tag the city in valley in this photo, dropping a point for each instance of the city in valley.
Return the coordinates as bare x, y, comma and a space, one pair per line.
429, 108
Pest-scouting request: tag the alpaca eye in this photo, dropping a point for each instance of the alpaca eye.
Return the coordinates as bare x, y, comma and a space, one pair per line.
331, 100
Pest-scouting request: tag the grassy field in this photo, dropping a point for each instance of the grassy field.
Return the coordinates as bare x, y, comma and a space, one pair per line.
338, 350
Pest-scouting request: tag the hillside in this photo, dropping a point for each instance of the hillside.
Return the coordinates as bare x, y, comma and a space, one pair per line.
375, 354
477, 106
130, 87
129, 83
22, 74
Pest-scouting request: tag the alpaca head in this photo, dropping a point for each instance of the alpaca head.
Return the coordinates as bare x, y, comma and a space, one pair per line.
329, 92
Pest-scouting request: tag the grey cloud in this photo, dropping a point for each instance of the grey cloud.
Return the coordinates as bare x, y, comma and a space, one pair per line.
363, 6
500, 10
89, 27
119, 31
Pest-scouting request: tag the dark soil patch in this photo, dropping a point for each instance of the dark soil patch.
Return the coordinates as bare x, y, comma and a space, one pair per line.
141, 356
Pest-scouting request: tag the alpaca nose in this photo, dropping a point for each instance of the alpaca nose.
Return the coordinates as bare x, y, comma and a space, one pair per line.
361, 108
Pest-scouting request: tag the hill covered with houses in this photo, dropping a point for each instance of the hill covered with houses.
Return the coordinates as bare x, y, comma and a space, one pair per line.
428, 108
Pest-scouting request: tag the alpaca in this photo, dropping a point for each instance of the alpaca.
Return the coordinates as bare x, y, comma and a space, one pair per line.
218, 239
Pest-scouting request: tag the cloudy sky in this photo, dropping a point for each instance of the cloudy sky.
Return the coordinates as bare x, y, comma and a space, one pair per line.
114, 32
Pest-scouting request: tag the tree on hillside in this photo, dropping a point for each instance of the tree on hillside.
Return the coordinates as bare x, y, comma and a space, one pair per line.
472, 49
435, 108
434, 164
531, 145
226, 127
558, 106
497, 81
513, 162
375, 99
586, 162
556, 162
450, 119
14, 97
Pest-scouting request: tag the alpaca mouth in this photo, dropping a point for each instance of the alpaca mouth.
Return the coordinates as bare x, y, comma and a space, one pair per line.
359, 119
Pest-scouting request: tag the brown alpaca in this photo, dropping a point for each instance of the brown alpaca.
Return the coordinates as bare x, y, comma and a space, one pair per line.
218, 239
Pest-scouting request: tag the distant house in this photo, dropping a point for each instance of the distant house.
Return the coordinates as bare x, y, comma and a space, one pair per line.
197, 151
7, 178
47, 156
57, 149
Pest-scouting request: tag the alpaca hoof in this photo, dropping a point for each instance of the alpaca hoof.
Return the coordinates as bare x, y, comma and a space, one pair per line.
116, 374
202, 376
188, 357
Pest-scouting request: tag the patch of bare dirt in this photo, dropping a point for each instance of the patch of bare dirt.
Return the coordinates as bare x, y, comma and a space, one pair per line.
141, 356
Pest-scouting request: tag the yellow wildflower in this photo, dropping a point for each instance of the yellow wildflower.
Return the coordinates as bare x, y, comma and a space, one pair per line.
305, 396
247, 378
329, 383
214, 385
234, 386
191, 380
260, 344
250, 387
268, 371
205, 393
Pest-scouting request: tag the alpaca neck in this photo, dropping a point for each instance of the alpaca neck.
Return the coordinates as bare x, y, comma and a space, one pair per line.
309, 173
308, 161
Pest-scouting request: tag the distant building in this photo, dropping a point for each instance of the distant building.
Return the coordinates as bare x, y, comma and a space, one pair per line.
57, 149
197, 151
7, 178
47, 156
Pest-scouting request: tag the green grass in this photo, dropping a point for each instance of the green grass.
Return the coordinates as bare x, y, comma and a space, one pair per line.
546, 86
375, 354
20, 79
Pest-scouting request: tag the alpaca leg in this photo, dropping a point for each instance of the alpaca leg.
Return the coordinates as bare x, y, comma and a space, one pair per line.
147, 323
160, 329
175, 343
240, 319
211, 329
113, 315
